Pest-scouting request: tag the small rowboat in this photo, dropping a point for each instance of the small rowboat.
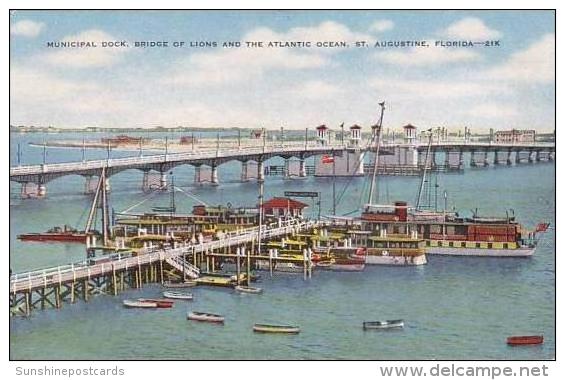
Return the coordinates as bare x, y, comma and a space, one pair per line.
524, 340
394, 323
324, 264
248, 289
275, 329
161, 303
205, 317
178, 295
138, 304
186, 284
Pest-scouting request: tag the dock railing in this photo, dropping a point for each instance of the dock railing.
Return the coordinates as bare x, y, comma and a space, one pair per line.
82, 270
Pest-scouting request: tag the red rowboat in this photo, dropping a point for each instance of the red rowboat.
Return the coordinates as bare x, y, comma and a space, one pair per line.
523, 340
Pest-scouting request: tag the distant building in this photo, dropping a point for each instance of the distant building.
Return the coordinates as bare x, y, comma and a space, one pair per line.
257, 134
284, 207
515, 136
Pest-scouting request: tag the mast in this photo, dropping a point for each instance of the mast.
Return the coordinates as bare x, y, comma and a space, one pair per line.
105, 221
377, 137
425, 170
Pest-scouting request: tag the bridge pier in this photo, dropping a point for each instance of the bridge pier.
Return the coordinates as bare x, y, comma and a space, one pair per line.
41, 190
163, 181
90, 185
244, 177
473, 162
302, 169
551, 156
197, 174
531, 156
214, 175
260, 171
496, 160
538, 156
508, 159
286, 173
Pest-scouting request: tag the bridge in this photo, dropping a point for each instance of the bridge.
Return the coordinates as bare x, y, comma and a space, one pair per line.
52, 286
397, 158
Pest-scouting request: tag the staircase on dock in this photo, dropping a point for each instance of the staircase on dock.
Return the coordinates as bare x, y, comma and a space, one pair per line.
180, 264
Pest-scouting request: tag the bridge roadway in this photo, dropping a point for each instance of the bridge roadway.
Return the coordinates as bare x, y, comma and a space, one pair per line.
49, 277
164, 162
43, 173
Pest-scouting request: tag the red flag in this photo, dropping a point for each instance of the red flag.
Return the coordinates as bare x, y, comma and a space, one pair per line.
542, 227
327, 159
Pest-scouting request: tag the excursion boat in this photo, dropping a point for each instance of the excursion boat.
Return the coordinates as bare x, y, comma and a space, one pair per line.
450, 234
205, 317
275, 329
65, 234
178, 295
524, 340
139, 304
161, 303
248, 289
389, 324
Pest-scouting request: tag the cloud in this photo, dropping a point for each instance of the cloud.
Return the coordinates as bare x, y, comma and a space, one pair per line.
535, 64
492, 110
226, 66
436, 89
316, 90
26, 28
381, 26
426, 56
88, 56
470, 28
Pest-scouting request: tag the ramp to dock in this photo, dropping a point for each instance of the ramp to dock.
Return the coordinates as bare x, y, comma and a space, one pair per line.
180, 264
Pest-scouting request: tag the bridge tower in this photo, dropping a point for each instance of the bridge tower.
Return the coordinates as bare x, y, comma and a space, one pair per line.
323, 134
355, 135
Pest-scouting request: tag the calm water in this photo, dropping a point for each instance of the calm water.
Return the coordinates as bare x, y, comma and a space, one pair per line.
454, 308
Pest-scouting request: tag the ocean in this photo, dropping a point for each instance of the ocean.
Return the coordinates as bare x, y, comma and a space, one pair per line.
453, 307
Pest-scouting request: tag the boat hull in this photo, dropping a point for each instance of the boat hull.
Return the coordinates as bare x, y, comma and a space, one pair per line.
56, 238
248, 289
382, 325
174, 285
139, 305
450, 251
524, 340
203, 317
276, 329
396, 260
178, 296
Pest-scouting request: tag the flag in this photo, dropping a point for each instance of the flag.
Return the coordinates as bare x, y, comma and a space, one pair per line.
542, 227
327, 159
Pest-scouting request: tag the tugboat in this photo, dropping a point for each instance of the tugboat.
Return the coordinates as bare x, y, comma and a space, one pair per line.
65, 234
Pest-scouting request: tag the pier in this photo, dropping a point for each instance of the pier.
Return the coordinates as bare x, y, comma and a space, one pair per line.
52, 287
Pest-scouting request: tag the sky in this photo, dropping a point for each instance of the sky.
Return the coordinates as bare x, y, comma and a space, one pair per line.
499, 87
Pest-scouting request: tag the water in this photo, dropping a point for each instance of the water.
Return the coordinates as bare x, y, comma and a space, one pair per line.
454, 307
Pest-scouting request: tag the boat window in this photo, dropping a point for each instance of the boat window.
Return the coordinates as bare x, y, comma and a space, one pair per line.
440, 244
451, 244
435, 229
428, 243
450, 230
490, 245
463, 244
505, 245
477, 245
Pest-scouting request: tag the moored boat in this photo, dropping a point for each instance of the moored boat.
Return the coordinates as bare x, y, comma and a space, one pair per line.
65, 234
388, 324
275, 329
205, 317
178, 295
248, 289
186, 284
139, 304
524, 340
161, 303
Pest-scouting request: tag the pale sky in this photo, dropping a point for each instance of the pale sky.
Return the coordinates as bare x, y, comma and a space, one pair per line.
511, 86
